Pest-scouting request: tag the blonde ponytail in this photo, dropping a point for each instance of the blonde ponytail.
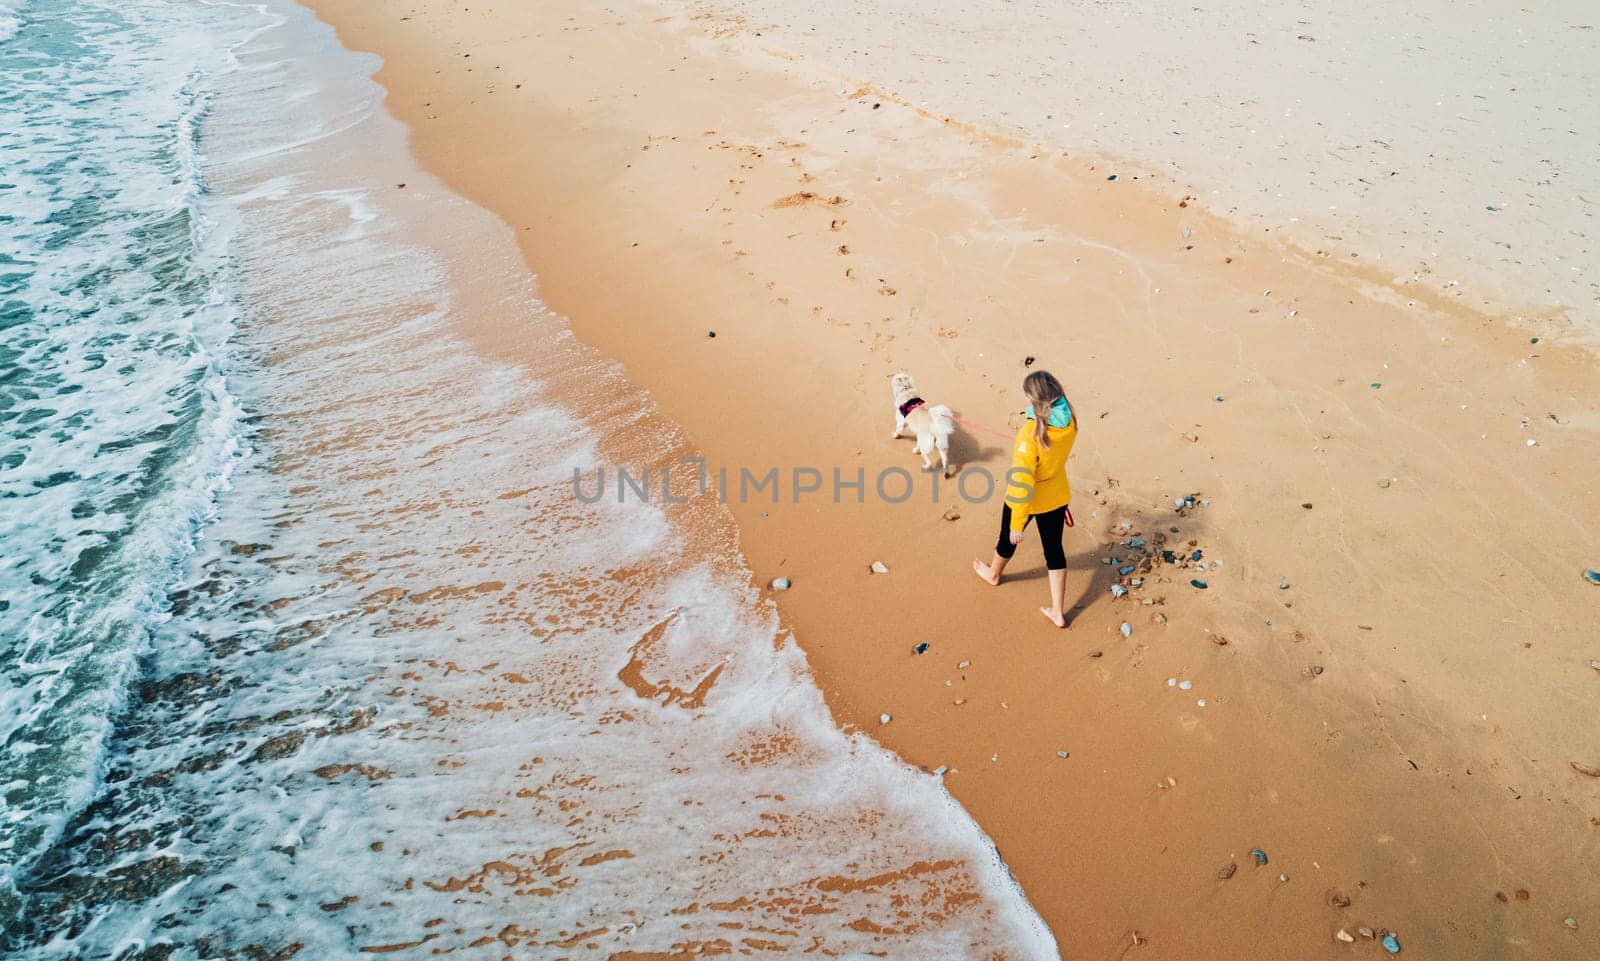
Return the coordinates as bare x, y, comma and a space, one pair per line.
1042, 390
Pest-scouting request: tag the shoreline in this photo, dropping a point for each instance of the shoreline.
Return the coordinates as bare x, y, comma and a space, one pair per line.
666, 206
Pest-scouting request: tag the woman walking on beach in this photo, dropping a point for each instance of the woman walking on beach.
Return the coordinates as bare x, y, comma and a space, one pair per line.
1037, 489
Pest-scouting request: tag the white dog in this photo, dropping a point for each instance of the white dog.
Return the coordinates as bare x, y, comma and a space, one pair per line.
932, 425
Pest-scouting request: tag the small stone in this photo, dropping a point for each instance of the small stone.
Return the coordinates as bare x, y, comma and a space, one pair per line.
952, 514
1283, 878
1259, 855
1127, 629
711, 333
1063, 755
1365, 932
1097, 653
1198, 584
1571, 923
963, 665
1172, 682
1185, 685
1117, 590
780, 583
921, 648
1384, 483
1306, 505
878, 567
1217, 398
1314, 670
1595, 663
1200, 703
1391, 944
1283, 585
884, 719
1345, 936
1501, 897
1159, 618
941, 770
1112, 177
1226, 871
1532, 442
1376, 385
1592, 577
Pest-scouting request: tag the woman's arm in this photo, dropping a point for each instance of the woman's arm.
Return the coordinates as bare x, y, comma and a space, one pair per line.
1019, 479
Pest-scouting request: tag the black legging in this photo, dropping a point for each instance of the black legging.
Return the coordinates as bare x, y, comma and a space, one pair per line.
1051, 526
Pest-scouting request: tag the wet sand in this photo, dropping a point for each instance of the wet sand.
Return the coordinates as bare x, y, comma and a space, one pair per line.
1370, 450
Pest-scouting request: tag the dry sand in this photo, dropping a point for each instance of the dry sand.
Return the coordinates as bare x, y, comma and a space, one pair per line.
668, 177
1453, 143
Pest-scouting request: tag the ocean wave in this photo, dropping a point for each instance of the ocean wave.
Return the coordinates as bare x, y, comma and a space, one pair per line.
10, 18
122, 429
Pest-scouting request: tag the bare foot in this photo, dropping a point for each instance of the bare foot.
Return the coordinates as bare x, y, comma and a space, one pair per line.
982, 570
1055, 618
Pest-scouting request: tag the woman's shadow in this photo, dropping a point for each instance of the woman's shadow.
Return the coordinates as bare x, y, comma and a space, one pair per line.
1101, 574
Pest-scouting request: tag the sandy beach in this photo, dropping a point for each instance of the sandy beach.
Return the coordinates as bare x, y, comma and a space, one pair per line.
1385, 684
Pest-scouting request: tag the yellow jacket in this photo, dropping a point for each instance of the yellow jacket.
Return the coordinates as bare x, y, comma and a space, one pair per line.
1037, 481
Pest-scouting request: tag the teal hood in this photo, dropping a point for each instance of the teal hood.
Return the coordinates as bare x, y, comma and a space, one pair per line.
1060, 413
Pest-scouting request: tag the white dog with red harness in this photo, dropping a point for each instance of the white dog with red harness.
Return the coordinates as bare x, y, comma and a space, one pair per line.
932, 425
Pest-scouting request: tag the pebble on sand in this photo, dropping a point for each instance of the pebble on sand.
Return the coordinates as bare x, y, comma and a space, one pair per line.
1345, 936
1592, 577
1259, 855
780, 583
878, 567
1391, 944
884, 719
1127, 629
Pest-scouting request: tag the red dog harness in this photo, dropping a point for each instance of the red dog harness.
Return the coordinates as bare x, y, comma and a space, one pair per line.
910, 406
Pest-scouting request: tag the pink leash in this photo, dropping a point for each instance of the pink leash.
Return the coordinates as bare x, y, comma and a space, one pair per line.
987, 430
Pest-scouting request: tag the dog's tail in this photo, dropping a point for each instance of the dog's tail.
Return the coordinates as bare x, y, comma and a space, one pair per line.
944, 424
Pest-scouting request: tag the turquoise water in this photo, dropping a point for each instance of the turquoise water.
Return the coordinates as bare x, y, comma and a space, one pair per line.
116, 424
305, 648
